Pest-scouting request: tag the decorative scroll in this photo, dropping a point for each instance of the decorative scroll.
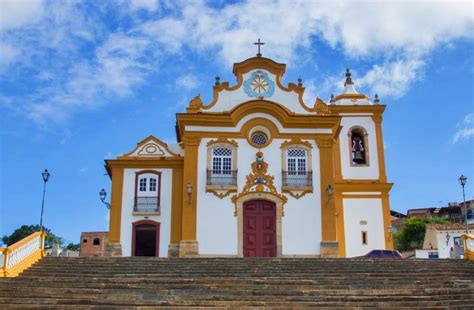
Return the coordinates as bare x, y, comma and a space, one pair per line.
297, 194
221, 193
195, 105
259, 181
321, 107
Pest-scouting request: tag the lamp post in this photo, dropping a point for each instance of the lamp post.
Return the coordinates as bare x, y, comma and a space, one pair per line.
102, 195
462, 181
45, 174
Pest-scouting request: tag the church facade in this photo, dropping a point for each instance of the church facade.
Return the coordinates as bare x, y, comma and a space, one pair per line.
257, 172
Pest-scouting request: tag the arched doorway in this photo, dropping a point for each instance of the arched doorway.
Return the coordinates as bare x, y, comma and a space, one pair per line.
259, 229
145, 238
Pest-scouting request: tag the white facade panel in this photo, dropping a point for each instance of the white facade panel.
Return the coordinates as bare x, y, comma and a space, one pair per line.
217, 227
445, 244
358, 172
128, 200
363, 214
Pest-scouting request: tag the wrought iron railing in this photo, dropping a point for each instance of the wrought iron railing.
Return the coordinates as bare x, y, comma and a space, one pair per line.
147, 204
221, 177
297, 178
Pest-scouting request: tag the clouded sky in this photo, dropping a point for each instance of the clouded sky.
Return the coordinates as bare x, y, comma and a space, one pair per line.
81, 81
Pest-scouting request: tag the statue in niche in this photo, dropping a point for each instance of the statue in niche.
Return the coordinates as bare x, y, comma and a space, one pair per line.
358, 149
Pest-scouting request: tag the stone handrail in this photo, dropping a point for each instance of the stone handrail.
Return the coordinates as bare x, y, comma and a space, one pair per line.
21, 255
468, 241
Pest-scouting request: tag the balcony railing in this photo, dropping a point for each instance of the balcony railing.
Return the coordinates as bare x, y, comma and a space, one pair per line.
297, 178
147, 204
221, 177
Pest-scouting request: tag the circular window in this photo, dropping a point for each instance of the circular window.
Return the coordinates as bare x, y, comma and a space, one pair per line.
259, 138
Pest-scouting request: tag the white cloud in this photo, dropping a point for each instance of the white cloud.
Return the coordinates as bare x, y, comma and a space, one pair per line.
392, 78
187, 82
466, 129
149, 5
86, 63
17, 13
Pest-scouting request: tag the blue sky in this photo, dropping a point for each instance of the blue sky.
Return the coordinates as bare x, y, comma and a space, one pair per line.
81, 81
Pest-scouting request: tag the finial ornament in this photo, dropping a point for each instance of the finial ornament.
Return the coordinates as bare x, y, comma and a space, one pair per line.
348, 77
258, 43
332, 100
218, 80
300, 82
376, 99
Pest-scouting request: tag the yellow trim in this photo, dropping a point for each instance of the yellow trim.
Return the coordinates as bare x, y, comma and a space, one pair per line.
468, 254
387, 221
351, 96
116, 204
189, 204
366, 146
231, 119
341, 237
328, 211
27, 261
196, 105
380, 150
176, 205
346, 196
146, 141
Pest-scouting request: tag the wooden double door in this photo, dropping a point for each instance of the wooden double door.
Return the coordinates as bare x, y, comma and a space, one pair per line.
259, 229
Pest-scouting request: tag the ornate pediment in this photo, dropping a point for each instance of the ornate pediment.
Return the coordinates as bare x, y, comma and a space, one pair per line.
257, 78
151, 147
259, 181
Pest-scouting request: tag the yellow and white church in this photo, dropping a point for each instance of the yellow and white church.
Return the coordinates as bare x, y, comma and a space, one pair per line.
257, 172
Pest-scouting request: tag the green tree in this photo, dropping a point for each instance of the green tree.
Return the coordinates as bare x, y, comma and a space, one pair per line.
73, 246
26, 230
412, 234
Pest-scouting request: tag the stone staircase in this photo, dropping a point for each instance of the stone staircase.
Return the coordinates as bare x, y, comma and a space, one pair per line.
289, 283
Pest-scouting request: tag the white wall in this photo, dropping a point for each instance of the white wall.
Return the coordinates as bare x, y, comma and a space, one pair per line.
127, 211
217, 225
358, 172
424, 254
355, 211
443, 248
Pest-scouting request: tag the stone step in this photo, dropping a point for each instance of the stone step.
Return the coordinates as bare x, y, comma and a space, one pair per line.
118, 283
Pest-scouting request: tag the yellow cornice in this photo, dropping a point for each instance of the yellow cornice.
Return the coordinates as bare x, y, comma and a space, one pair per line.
249, 64
222, 140
141, 163
377, 109
282, 114
145, 141
363, 186
351, 96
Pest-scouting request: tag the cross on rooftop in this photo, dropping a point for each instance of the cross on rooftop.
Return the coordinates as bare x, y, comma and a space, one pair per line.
258, 43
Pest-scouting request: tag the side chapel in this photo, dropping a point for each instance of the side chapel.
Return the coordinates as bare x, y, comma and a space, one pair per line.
257, 172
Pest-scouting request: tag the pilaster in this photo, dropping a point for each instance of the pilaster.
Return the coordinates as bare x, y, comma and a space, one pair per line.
377, 118
188, 244
116, 205
329, 246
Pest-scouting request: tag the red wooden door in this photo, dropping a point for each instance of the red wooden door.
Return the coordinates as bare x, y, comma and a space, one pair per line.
259, 229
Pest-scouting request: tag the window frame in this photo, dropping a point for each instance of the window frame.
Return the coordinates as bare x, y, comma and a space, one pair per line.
307, 148
364, 237
363, 133
148, 183
221, 143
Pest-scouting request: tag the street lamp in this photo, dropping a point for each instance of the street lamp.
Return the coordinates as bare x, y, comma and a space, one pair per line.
45, 174
102, 195
462, 181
